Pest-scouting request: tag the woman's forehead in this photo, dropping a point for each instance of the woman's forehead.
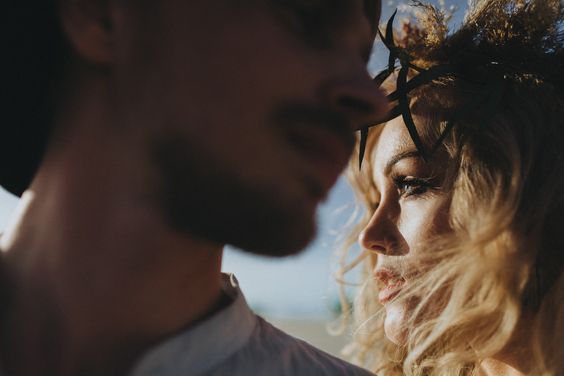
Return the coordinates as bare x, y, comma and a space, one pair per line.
395, 145
393, 140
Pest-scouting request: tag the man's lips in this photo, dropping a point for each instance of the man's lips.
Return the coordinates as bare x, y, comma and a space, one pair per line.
323, 138
392, 282
325, 149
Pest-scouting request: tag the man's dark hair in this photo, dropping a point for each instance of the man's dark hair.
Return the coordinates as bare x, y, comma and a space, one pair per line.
33, 56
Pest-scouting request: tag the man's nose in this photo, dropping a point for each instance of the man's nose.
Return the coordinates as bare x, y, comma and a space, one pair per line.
359, 99
382, 235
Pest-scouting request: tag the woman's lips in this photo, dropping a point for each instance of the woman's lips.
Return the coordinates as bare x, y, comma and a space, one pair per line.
390, 291
392, 282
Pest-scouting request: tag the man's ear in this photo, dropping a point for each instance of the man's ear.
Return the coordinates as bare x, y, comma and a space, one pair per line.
89, 27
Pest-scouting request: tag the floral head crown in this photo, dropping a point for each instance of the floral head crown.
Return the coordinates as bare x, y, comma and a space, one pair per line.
502, 42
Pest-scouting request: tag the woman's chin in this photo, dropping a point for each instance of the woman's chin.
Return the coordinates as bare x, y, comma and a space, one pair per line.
395, 323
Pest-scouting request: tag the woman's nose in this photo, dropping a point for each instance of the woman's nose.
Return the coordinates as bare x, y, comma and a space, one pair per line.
382, 235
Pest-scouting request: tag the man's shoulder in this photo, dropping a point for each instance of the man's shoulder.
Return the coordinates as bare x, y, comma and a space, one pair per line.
270, 351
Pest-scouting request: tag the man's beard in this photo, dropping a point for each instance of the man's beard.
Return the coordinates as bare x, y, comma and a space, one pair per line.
207, 200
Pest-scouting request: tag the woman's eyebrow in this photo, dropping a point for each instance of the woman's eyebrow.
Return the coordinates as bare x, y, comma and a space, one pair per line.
398, 157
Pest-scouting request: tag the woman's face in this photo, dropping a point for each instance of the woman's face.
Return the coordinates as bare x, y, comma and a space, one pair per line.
411, 212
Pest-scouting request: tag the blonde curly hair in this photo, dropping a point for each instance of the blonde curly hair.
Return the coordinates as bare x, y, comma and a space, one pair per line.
502, 264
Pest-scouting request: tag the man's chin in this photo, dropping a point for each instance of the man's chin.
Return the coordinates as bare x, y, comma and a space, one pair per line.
278, 236
208, 198
269, 232
278, 245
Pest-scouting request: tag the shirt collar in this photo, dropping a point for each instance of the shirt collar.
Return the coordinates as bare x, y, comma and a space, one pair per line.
209, 343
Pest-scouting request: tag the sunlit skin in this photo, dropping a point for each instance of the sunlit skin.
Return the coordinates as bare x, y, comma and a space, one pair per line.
413, 208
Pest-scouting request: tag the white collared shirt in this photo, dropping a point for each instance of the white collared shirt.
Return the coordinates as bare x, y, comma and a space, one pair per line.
237, 342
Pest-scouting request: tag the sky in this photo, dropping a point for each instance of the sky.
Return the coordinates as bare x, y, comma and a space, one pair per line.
303, 285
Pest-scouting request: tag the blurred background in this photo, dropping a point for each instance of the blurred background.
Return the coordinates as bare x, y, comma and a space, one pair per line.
299, 293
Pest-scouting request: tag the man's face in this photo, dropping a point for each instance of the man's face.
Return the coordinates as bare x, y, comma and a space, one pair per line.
245, 111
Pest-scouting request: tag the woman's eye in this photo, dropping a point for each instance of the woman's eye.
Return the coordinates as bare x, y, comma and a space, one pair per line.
410, 186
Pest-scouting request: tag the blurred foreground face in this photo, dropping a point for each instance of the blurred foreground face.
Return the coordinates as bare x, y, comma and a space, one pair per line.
413, 210
246, 112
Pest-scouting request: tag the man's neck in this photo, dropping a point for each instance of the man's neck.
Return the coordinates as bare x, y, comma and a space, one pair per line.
98, 275
74, 299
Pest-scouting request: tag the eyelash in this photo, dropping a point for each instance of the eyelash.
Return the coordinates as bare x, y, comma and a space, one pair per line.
412, 186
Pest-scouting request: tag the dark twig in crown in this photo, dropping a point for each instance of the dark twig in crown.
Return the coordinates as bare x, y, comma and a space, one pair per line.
522, 46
